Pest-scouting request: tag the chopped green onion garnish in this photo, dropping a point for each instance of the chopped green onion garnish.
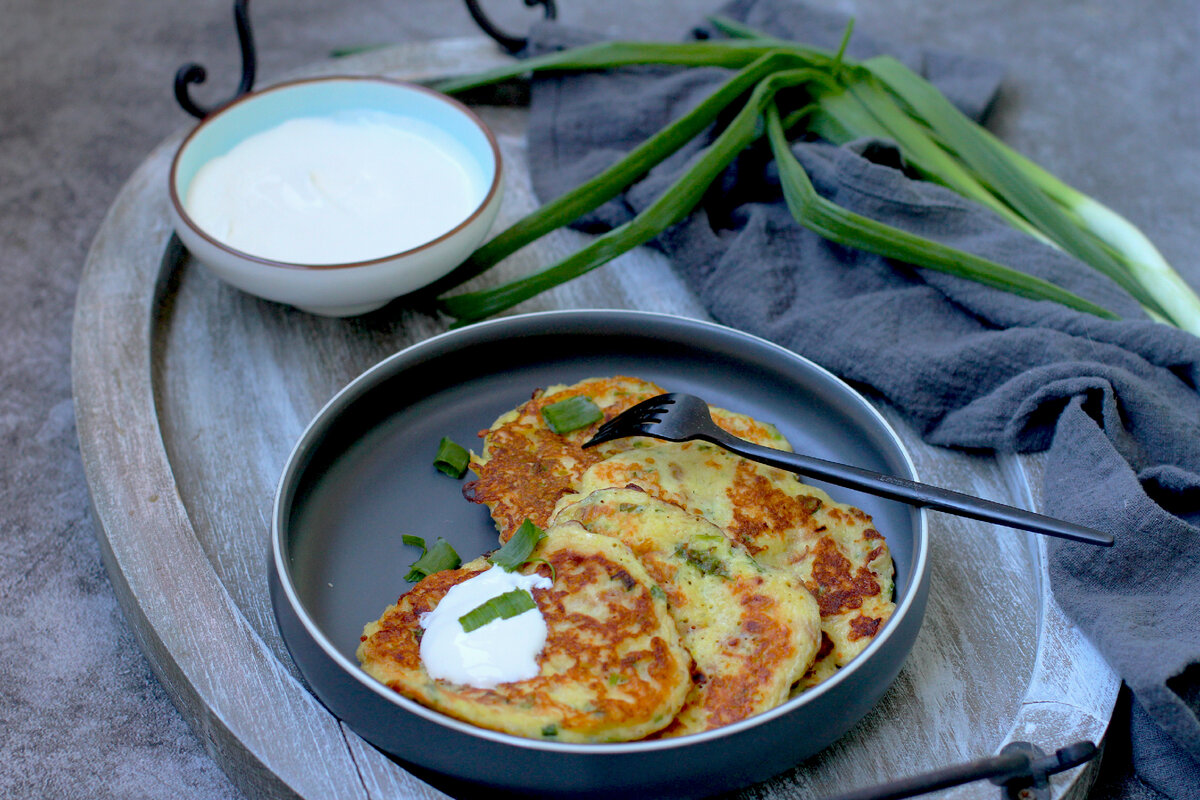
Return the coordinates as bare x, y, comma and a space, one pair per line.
414, 541
553, 572
437, 558
517, 549
502, 606
572, 414
452, 458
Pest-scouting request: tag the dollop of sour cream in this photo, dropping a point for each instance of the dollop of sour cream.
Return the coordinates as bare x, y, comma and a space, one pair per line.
347, 187
502, 651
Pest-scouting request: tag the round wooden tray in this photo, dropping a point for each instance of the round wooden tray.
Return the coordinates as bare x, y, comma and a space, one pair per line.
189, 396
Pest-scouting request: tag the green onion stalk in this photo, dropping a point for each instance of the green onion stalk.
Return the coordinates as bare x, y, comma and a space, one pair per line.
614, 180
841, 100
672, 206
838, 225
1046, 207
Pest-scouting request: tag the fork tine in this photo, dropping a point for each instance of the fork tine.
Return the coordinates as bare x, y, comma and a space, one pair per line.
655, 405
603, 436
633, 421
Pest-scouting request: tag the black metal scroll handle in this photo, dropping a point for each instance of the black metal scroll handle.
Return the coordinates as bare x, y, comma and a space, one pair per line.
512, 44
194, 73
1021, 770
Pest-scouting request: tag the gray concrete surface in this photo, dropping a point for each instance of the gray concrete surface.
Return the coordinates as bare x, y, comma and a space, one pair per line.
1102, 91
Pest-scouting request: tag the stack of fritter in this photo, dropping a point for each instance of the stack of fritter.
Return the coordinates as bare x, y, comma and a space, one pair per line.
692, 588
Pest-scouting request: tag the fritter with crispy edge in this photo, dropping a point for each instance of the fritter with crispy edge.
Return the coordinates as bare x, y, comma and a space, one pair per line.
613, 668
831, 547
752, 630
525, 467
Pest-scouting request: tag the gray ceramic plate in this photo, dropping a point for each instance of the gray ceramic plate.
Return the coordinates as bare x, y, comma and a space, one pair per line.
362, 475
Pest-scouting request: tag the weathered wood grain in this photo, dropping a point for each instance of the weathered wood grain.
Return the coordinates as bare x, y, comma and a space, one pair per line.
190, 395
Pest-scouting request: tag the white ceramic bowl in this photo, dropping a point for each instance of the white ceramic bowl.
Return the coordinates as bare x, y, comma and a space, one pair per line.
355, 287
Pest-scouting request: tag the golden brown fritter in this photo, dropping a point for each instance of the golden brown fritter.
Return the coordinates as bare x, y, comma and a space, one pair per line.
831, 547
613, 667
752, 631
692, 588
525, 467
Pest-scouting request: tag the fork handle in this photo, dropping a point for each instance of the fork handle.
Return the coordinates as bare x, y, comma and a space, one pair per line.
912, 492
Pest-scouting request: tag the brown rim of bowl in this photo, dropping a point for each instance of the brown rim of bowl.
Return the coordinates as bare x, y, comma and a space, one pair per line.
457, 104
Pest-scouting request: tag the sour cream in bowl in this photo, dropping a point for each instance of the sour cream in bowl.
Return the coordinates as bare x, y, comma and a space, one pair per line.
336, 195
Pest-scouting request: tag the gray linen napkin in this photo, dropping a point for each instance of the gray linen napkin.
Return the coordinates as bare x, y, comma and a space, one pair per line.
1114, 404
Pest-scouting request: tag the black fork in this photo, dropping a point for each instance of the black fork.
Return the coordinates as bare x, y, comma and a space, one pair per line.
680, 417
